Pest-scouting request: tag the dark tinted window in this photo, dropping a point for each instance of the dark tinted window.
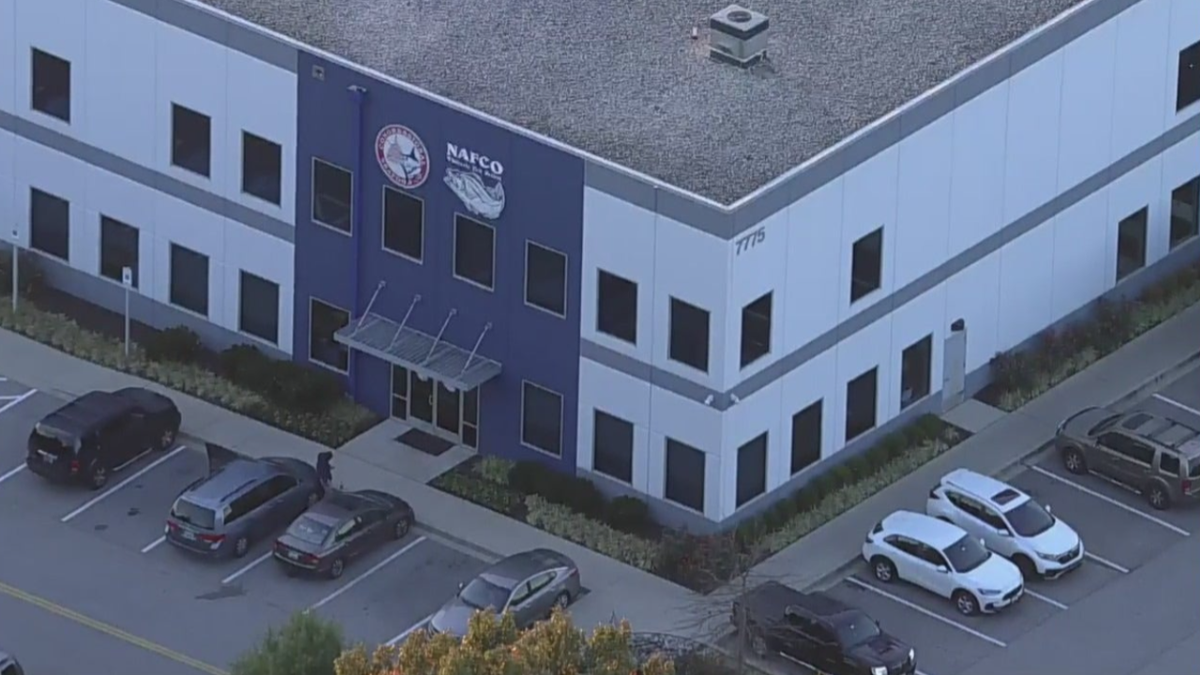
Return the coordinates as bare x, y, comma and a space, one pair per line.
806, 437
403, 224
189, 279
966, 554
752, 469
541, 419
1131, 243
1168, 464
51, 85
474, 252
866, 265
860, 404
856, 629
279, 485
332, 187
688, 341
684, 475
546, 278
1185, 212
309, 530
49, 224
916, 365
1195, 472
1030, 519
191, 140
482, 594
262, 168
118, 249
756, 330
53, 442
258, 307
612, 446
1187, 86
325, 320
616, 307
193, 514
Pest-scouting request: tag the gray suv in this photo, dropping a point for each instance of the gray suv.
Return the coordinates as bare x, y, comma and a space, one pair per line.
241, 501
1154, 455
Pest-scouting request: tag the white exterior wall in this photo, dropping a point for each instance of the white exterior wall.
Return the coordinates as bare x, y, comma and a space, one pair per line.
937, 193
126, 71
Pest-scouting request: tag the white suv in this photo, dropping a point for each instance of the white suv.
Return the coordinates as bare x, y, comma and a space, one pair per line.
943, 559
1009, 521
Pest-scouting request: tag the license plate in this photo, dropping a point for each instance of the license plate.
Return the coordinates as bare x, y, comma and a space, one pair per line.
188, 534
293, 555
47, 457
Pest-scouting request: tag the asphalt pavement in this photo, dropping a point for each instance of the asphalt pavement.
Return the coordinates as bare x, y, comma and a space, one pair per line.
99, 557
1130, 609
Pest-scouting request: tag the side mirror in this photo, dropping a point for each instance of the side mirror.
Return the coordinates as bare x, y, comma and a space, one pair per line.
461, 586
1048, 509
943, 569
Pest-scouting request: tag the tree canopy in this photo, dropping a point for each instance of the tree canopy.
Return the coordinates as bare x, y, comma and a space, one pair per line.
494, 646
305, 645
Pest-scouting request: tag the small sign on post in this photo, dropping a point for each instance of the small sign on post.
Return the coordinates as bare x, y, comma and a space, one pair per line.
127, 282
16, 275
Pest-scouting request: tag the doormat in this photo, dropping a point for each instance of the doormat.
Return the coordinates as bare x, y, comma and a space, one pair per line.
426, 443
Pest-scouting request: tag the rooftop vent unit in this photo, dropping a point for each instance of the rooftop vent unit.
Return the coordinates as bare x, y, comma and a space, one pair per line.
738, 36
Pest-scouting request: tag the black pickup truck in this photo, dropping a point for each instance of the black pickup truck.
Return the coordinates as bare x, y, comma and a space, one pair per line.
818, 632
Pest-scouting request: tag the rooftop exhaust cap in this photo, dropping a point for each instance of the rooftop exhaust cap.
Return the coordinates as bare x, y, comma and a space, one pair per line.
738, 36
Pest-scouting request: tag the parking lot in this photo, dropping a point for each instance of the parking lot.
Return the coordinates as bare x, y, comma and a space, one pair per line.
1130, 608
102, 554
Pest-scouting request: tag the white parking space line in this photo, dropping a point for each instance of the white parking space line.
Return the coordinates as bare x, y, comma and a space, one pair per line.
13, 472
1048, 601
933, 615
14, 400
1105, 562
1129, 509
1177, 404
154, 544
72, 515
411, 629
378, 566
253, 563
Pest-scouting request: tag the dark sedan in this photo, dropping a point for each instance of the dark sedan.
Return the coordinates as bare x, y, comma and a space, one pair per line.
340, 528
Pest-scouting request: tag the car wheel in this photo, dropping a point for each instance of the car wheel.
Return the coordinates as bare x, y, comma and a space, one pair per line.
1028, 569
336, 568
241, 547
563, 600
965, 603
402, 527
1074, 460
884, 569
99, 477
1158, 497
313, 499
167, 439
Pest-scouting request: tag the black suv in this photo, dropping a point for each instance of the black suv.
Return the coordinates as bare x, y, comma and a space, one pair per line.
819, 632
99, 433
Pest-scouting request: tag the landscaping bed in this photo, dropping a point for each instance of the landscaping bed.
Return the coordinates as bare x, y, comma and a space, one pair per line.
284, 394
1018, 377
573, 508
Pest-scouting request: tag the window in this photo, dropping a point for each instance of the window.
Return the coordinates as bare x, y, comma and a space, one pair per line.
49, 224
756, 330
258, 307
1168, 464
1187, 90
806, 437
684, 475
1131, 244
474, 252
541, 419
915, 364
616, 307
262, 168
752, 469
331, 194
866, 265
189, 279
191, 140
546, 279
324, 320
403, 224
51, 85
612, 446
1127, 447
689, 335
1185, 212
118, 249
860, 404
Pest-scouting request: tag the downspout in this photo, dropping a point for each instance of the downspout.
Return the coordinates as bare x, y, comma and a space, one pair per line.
359, 96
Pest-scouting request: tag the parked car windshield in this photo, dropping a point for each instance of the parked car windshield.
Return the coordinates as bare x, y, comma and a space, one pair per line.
966, 554
193, 514
1104, 424
482, 594
309, 530
856, 630
1030, 519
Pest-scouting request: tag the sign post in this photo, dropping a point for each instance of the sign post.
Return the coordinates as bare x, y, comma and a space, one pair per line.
16, 274
127, 282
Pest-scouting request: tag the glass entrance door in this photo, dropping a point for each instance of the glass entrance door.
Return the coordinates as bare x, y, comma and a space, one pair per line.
420, 398
399, 392
448, 407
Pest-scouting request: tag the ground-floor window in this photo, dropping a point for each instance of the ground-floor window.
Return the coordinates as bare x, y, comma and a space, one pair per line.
118, 249
49, 224
752, 469
861, 404
324, 320
1185, 212
1131, 243
258, 307
189, 279
916, 362
612, 446
684, 475
806, 437
541, 419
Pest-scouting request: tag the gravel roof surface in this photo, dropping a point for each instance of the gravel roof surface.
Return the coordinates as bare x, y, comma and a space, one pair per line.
622, 78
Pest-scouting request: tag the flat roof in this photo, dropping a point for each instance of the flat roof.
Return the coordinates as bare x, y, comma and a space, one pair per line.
625, 81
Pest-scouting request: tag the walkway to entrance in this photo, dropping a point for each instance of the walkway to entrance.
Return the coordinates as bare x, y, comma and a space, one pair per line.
379, 446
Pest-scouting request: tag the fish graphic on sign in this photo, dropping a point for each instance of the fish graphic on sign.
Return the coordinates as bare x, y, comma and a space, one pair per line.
475, 179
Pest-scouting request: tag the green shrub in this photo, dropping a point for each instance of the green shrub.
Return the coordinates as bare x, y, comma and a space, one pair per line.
494, 469
483, 492
579, 494
178, 345
305, 645
301, 388
245, 365
629, 514
561, 521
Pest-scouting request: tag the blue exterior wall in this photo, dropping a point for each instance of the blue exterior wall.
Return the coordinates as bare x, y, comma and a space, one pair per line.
544, 203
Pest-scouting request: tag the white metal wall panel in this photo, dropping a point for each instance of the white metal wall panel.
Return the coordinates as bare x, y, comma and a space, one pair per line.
869, 348
977, 188
1026, 271
814, 267
56, 27
923, 316
621, 396
8, 56
1184, 31
756, 269
922, 226
1080, 244
1085, 120
815, 381
1030, 162
973, 295
260, 99
192, 72
1141, 72
868, 203
119, 91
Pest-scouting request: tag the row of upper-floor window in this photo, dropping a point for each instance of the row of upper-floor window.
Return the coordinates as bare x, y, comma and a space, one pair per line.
191, 132
50, 233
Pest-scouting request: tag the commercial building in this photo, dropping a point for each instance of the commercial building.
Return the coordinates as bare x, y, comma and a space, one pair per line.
691, 251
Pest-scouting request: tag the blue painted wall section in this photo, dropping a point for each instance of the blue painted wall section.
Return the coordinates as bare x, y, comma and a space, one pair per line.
544, 204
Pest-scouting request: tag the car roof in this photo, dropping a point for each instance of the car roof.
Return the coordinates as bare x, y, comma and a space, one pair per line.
1164, 431
995, 493
821, 604
231, 479
516, 568
923, 528
149, 401
88, 412
338, 505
